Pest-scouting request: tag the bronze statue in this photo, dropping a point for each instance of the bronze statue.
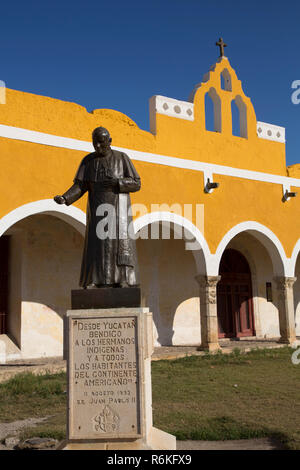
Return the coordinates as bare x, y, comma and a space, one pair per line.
108, 176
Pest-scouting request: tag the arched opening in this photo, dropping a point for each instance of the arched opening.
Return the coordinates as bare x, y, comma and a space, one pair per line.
235, 116
234, 296
209, 113
213, 120
43, 264
239, 118
169, 287
226, 80
267, 261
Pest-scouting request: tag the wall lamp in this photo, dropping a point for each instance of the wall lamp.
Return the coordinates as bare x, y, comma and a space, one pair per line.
210, 186
288, 194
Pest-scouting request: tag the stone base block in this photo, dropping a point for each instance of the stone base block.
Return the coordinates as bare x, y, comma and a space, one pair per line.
157, 440
109, 381
106, 297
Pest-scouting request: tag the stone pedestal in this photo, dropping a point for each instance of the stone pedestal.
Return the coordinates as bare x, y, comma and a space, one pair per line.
286, 309
208, 312
109, 381
106, 297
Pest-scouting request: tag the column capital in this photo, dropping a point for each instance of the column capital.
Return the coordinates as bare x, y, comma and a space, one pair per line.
284, 282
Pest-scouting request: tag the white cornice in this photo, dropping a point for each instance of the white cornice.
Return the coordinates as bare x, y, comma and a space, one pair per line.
270, 132
27, 135
35, 137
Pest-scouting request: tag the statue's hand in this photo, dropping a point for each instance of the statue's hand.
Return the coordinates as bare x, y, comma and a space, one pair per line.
59, 200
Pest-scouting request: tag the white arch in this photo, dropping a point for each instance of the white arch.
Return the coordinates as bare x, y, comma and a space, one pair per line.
268, 239
294, 257
71, 215
198, 244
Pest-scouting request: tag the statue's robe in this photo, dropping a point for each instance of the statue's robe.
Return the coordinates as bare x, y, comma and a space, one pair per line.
112, 260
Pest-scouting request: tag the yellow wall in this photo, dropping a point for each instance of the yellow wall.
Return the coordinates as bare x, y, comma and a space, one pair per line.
294, 171
31, 172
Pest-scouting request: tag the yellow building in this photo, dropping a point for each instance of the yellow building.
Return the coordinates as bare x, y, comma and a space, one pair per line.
229, 268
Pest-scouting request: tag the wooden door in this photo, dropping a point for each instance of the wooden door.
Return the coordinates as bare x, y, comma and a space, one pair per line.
234, 297
4, 257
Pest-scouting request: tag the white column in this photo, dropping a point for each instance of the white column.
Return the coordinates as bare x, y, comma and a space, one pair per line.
286, 309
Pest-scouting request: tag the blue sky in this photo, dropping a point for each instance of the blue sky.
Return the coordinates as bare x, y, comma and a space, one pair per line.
116, 54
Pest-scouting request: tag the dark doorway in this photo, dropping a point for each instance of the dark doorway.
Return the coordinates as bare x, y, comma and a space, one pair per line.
234, 296
4, 257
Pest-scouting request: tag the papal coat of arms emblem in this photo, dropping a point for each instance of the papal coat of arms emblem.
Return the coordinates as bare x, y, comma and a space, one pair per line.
107, 421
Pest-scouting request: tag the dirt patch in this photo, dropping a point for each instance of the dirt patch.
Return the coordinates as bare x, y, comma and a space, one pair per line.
12, 429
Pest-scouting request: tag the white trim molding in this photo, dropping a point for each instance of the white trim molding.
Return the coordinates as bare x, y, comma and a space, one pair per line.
70, 214
270, 132
293, 258
171, 107
42, 138
209, 167
269, 240
195, 242
74, 144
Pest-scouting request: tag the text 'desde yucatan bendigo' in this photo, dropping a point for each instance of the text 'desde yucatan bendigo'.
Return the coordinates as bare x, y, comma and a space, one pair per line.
104, 378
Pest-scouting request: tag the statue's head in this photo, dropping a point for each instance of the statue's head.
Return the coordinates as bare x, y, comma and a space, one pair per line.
101, 140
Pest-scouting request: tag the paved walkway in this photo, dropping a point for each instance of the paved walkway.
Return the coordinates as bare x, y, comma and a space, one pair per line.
175, 352
57, 364
242, 444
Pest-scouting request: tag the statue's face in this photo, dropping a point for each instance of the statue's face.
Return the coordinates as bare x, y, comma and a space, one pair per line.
102, 143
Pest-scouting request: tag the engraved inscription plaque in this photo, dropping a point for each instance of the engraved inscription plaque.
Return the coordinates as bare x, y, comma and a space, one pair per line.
104, 377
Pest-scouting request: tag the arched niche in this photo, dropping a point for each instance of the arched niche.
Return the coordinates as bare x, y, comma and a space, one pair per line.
213, 117
239, 117
225, 79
